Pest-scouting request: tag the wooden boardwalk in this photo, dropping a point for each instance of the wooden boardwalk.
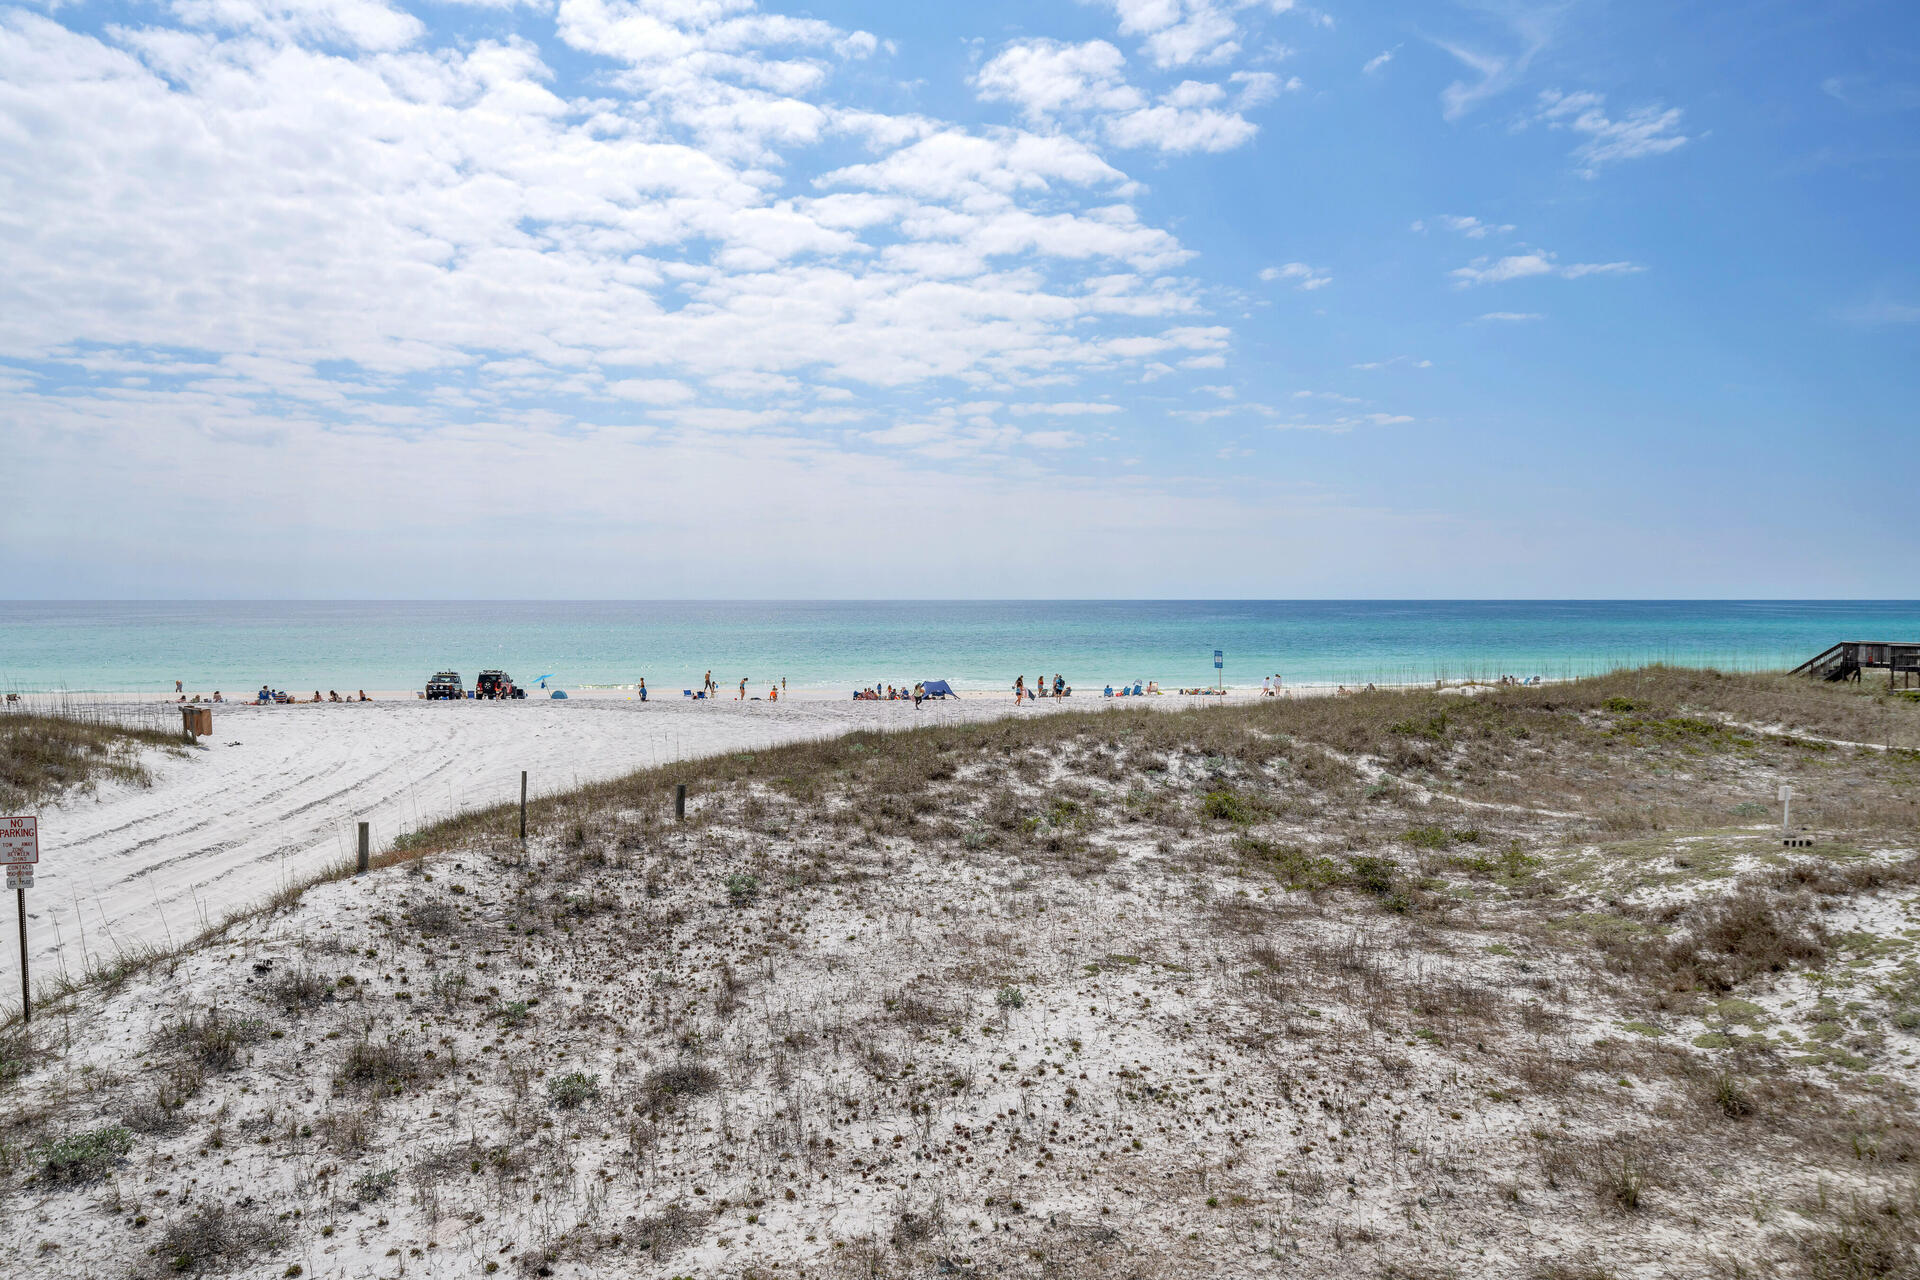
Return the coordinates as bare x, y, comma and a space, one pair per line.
1848, 659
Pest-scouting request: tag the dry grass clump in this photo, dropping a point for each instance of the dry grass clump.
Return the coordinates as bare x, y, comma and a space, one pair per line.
212, 1039
212, 1239
671, 1086
1866, 1239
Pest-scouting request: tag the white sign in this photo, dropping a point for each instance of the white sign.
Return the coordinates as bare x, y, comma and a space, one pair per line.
19, 841
19, 878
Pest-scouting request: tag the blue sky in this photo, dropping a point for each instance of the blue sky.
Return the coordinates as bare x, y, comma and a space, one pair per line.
635, 298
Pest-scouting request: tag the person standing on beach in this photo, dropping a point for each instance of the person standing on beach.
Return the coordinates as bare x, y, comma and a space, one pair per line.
176, 687
1019, 689
643, 688
743, 690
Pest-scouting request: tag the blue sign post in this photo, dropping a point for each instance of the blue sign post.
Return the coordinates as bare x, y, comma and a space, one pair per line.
1219, 665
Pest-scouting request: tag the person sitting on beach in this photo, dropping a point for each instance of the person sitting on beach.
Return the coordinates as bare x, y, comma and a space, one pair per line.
217, 697
364, 697
333, 695
1153, 686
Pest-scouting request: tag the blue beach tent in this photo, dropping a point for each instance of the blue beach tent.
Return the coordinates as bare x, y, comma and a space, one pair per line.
938, 689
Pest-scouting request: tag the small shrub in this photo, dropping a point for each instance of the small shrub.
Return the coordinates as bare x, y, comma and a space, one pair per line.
1010, 998
1373, 874
373, 1186
1430, 837
742, 888
85, 1157
573, 1089
665, 1086
1227, 806
514, 1013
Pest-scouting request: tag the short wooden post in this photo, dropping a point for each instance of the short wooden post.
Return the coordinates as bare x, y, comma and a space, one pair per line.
680, 800
523, 806
360, 861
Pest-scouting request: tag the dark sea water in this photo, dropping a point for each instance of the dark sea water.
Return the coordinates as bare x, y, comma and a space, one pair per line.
240, 645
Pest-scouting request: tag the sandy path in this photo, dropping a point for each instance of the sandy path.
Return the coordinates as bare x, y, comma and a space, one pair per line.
273, 794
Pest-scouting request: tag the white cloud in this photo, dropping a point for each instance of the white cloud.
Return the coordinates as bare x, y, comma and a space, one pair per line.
1469, 226
1537, 262
1529, 31
1085, 85
1513, 316
1299, 274
650, 390
1073, 408
1379, 60
1046, 78
1644, 131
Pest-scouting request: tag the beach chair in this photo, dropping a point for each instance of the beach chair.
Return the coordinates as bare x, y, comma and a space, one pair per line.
686, 693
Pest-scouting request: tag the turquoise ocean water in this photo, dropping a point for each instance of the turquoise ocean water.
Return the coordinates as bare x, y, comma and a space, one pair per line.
119, 646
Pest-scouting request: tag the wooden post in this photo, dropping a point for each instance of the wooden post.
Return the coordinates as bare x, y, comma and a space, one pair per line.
523, 806
360, 863
26, 997
680, 800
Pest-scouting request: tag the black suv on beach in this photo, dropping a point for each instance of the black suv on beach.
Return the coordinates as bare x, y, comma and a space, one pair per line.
445, 685
496, 684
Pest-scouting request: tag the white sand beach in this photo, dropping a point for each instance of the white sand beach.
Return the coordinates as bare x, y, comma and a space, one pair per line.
273, 795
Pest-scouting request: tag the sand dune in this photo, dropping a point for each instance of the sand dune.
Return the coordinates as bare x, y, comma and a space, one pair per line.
274, 794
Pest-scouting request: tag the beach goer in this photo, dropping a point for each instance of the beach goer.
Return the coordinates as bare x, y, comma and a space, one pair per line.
1019, 689
773, 693
743, 690
364, 697
217, 697
783, 684
643, 688
919, 692
176, 687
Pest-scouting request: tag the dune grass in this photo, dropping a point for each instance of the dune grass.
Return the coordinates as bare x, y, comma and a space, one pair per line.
47, 753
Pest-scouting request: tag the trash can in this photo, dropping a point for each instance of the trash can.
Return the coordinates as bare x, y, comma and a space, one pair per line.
195, 721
